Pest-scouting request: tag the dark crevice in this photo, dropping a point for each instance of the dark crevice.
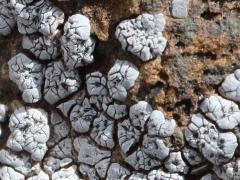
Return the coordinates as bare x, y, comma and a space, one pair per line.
207, 15
206, 55
186, 105
180, 44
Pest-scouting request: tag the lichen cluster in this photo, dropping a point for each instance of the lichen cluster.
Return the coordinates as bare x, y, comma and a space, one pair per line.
91, 130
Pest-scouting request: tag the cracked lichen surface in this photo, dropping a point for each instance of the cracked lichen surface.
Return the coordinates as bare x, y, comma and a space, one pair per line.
112, 90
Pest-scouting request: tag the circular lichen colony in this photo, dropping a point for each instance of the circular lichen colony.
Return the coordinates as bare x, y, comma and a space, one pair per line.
78, 115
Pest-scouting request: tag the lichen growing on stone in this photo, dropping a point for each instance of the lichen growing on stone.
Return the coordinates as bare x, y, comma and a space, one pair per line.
224, 112
42, 47
142, 36
121, 78
60, 82
7, 18
230, 86
77, 45
29, 132
28, 75
37, 16
89, 115
180, 8
217, 147
3, 112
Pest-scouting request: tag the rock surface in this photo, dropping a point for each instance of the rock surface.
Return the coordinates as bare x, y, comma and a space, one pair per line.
132, 89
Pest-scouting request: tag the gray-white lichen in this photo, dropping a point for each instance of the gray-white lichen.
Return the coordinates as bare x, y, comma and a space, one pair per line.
28, 75
102, 131
230, 86
160, 174
224, 112
77, 45
82, 116
128, 135
121, 78
140, 113
39, 16
192, 156
142, 36
88, 153
152, 150
180, 8
8, 173
229, 170
60, 82
3, 112
7, 17
42, 47
116, 171
96, 134
159, 126
175, 163
217, 147
29, 132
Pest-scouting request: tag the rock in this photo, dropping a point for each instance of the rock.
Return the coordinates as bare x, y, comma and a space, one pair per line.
180, 8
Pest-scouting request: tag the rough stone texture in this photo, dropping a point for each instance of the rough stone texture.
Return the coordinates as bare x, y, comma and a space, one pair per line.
180, 8
201, 52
